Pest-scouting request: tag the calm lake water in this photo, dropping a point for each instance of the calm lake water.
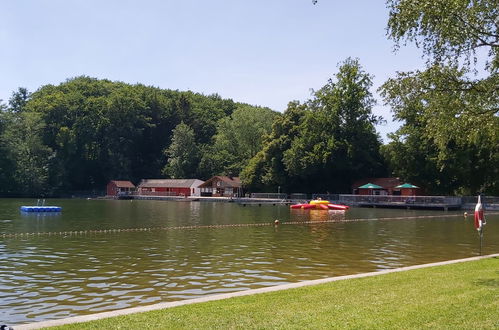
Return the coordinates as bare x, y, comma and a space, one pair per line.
61, 275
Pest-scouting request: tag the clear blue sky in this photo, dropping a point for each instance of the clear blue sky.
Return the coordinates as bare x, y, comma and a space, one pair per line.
259, 52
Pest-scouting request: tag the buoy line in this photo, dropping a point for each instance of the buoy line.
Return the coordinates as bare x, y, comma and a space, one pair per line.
262, 224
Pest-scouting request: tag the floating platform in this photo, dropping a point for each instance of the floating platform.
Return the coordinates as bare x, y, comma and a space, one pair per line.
41, 208
320, 205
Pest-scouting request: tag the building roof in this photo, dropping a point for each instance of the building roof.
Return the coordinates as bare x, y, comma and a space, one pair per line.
170, 183
406, 185
122, 184
230, 181
370, 186
386, 183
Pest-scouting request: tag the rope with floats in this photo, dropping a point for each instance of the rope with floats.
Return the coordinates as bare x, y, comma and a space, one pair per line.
239, 225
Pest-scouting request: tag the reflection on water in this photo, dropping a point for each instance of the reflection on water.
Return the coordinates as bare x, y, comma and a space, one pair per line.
51, 277
318, 215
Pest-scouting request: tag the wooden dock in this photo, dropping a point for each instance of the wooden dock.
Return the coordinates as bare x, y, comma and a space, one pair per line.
432, 206
405, 202
381, 201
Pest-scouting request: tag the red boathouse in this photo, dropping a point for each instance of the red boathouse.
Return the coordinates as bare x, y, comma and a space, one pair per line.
117, 187
169, 187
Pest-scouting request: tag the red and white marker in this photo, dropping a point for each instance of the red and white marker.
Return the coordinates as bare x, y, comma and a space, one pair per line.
479, 217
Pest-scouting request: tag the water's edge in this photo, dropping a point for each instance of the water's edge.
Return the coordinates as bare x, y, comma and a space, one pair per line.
164, 305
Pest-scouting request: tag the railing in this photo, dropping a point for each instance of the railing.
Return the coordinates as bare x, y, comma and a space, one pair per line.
298, 196
149, 193
486, 200
282, 196
269, 195
82, 193
349, 199
327, 197
391, 199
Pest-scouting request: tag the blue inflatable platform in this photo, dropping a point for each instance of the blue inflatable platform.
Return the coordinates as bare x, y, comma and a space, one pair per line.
41, 208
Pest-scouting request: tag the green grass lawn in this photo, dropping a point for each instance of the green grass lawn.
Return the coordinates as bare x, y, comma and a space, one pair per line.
458, 296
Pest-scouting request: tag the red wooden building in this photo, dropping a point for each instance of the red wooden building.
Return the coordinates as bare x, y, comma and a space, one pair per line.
117, 187
371, 189
222, 186
408, 189
387, 186
384, 186
169, 187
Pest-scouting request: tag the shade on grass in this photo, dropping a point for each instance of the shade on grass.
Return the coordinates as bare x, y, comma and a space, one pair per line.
457, 296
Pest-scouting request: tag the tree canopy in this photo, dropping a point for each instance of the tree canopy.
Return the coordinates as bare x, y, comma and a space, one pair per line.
84, 132
447, 30
449, 110
326, 143
239, 137
182, 154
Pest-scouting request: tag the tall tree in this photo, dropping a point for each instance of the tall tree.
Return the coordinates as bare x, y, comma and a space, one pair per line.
454, 104
454, 124
6, 163
101, 130
239, 137
19, 99
337, 142
447, 30
333, 141
266, 170
26, 154
183, 155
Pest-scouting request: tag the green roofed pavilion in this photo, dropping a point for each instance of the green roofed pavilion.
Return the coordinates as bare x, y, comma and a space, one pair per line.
370, 186
407, 185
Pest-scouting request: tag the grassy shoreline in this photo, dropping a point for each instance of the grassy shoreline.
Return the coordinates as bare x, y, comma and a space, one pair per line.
463, 295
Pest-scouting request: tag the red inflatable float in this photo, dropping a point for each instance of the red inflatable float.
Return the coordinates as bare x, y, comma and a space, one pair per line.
320, 205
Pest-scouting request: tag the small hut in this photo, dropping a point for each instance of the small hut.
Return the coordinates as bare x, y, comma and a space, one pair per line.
118, 187
222, 186
388, 186
170, 187
408, 189
371, 189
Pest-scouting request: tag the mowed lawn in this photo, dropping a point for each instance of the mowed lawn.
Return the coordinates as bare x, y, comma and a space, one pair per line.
458, 296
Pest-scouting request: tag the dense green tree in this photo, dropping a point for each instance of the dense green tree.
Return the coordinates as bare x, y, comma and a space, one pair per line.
101, 130
451, 32
6, 164
337, 142
416, 159
201, 113
451, 107
447, 30
74, 114
27, 158
96, 130
459, 143
24, 159
19, 99
266, 169
3, 117
182, 154
332, 143
239, 137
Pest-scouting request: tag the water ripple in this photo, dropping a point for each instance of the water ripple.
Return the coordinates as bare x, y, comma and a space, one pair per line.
49, 277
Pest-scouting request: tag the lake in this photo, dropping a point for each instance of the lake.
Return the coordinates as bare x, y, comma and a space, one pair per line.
190, 249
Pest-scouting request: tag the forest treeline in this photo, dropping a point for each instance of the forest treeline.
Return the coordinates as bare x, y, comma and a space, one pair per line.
84, 132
